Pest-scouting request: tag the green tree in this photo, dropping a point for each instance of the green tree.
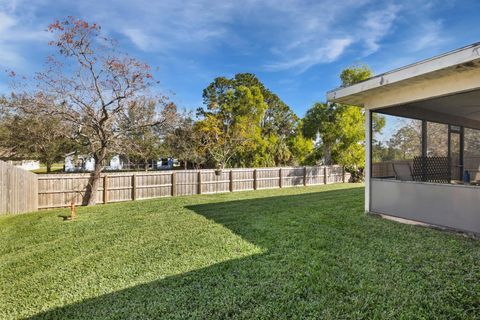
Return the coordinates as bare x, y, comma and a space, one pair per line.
272, 124
301, 148
278, 118
321, 123
339, 129
141, 141
355, 74
183, 143
28, 134
406, 142
231, 123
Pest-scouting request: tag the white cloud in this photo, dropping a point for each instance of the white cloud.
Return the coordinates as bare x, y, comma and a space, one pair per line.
430, 35
6, 22
140, 39
377, 24
284, 35
328, 53
15, 34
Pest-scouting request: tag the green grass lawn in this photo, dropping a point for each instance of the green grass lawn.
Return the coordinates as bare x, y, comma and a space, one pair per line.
56, 168
288, 253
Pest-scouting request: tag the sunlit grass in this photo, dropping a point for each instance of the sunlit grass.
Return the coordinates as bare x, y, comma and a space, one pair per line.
290, 253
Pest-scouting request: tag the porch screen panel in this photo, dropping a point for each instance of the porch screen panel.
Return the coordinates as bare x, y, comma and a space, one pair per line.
471, 153
394, 146
437, 139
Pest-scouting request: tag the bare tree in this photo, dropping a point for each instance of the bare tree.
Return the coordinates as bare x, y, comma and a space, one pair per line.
96, 87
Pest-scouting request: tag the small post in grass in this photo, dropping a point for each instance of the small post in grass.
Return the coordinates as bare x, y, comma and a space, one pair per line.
73, 211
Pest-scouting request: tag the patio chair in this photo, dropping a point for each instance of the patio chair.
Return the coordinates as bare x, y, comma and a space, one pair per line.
402, 171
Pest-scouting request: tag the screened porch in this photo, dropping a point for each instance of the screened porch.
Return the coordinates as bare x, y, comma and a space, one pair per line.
425, 161
436, 140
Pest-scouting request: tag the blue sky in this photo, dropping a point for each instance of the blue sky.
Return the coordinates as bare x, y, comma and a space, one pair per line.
297, 48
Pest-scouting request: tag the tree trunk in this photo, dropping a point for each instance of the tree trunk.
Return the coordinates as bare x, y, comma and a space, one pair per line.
90, 198
49, 167
327, 155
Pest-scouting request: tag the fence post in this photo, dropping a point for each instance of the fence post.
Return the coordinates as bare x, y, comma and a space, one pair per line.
254, 179
324, 174
105, 189
174, 184
304, 176
230, 176
134, 186
280, 175
199, 182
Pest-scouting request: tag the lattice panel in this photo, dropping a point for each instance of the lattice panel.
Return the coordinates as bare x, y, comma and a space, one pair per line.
431, 169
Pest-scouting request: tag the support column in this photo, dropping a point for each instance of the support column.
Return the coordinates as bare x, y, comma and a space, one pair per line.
368, 157
424, 138
462, 149
424, 150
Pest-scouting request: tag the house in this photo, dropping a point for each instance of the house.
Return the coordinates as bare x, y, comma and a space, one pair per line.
166, 163
78, 163
85, 163
9, 156
81, 163
116, 163
426, 166
28, 165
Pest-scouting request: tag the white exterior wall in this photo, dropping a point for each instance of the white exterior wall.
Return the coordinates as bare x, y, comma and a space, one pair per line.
446, 205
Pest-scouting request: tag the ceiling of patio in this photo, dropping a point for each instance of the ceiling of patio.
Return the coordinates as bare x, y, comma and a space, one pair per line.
458, 109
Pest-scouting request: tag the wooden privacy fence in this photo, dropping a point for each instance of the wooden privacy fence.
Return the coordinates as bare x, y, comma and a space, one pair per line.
58, 190
18, 190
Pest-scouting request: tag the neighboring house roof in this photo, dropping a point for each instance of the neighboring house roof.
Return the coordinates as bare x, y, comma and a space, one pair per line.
79, 155
452, 62
5, 153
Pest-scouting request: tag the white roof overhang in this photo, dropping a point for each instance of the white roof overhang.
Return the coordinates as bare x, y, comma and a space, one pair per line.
443, 66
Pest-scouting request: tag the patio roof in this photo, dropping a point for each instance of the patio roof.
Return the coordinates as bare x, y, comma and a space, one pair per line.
446, 65
461, 109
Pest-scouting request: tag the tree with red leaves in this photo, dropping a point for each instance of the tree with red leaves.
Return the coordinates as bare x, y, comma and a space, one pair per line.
97, 88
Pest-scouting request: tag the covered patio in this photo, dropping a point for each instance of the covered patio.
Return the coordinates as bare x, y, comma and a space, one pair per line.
424, 162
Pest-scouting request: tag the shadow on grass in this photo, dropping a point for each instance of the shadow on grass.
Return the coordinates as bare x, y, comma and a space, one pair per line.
323, 259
